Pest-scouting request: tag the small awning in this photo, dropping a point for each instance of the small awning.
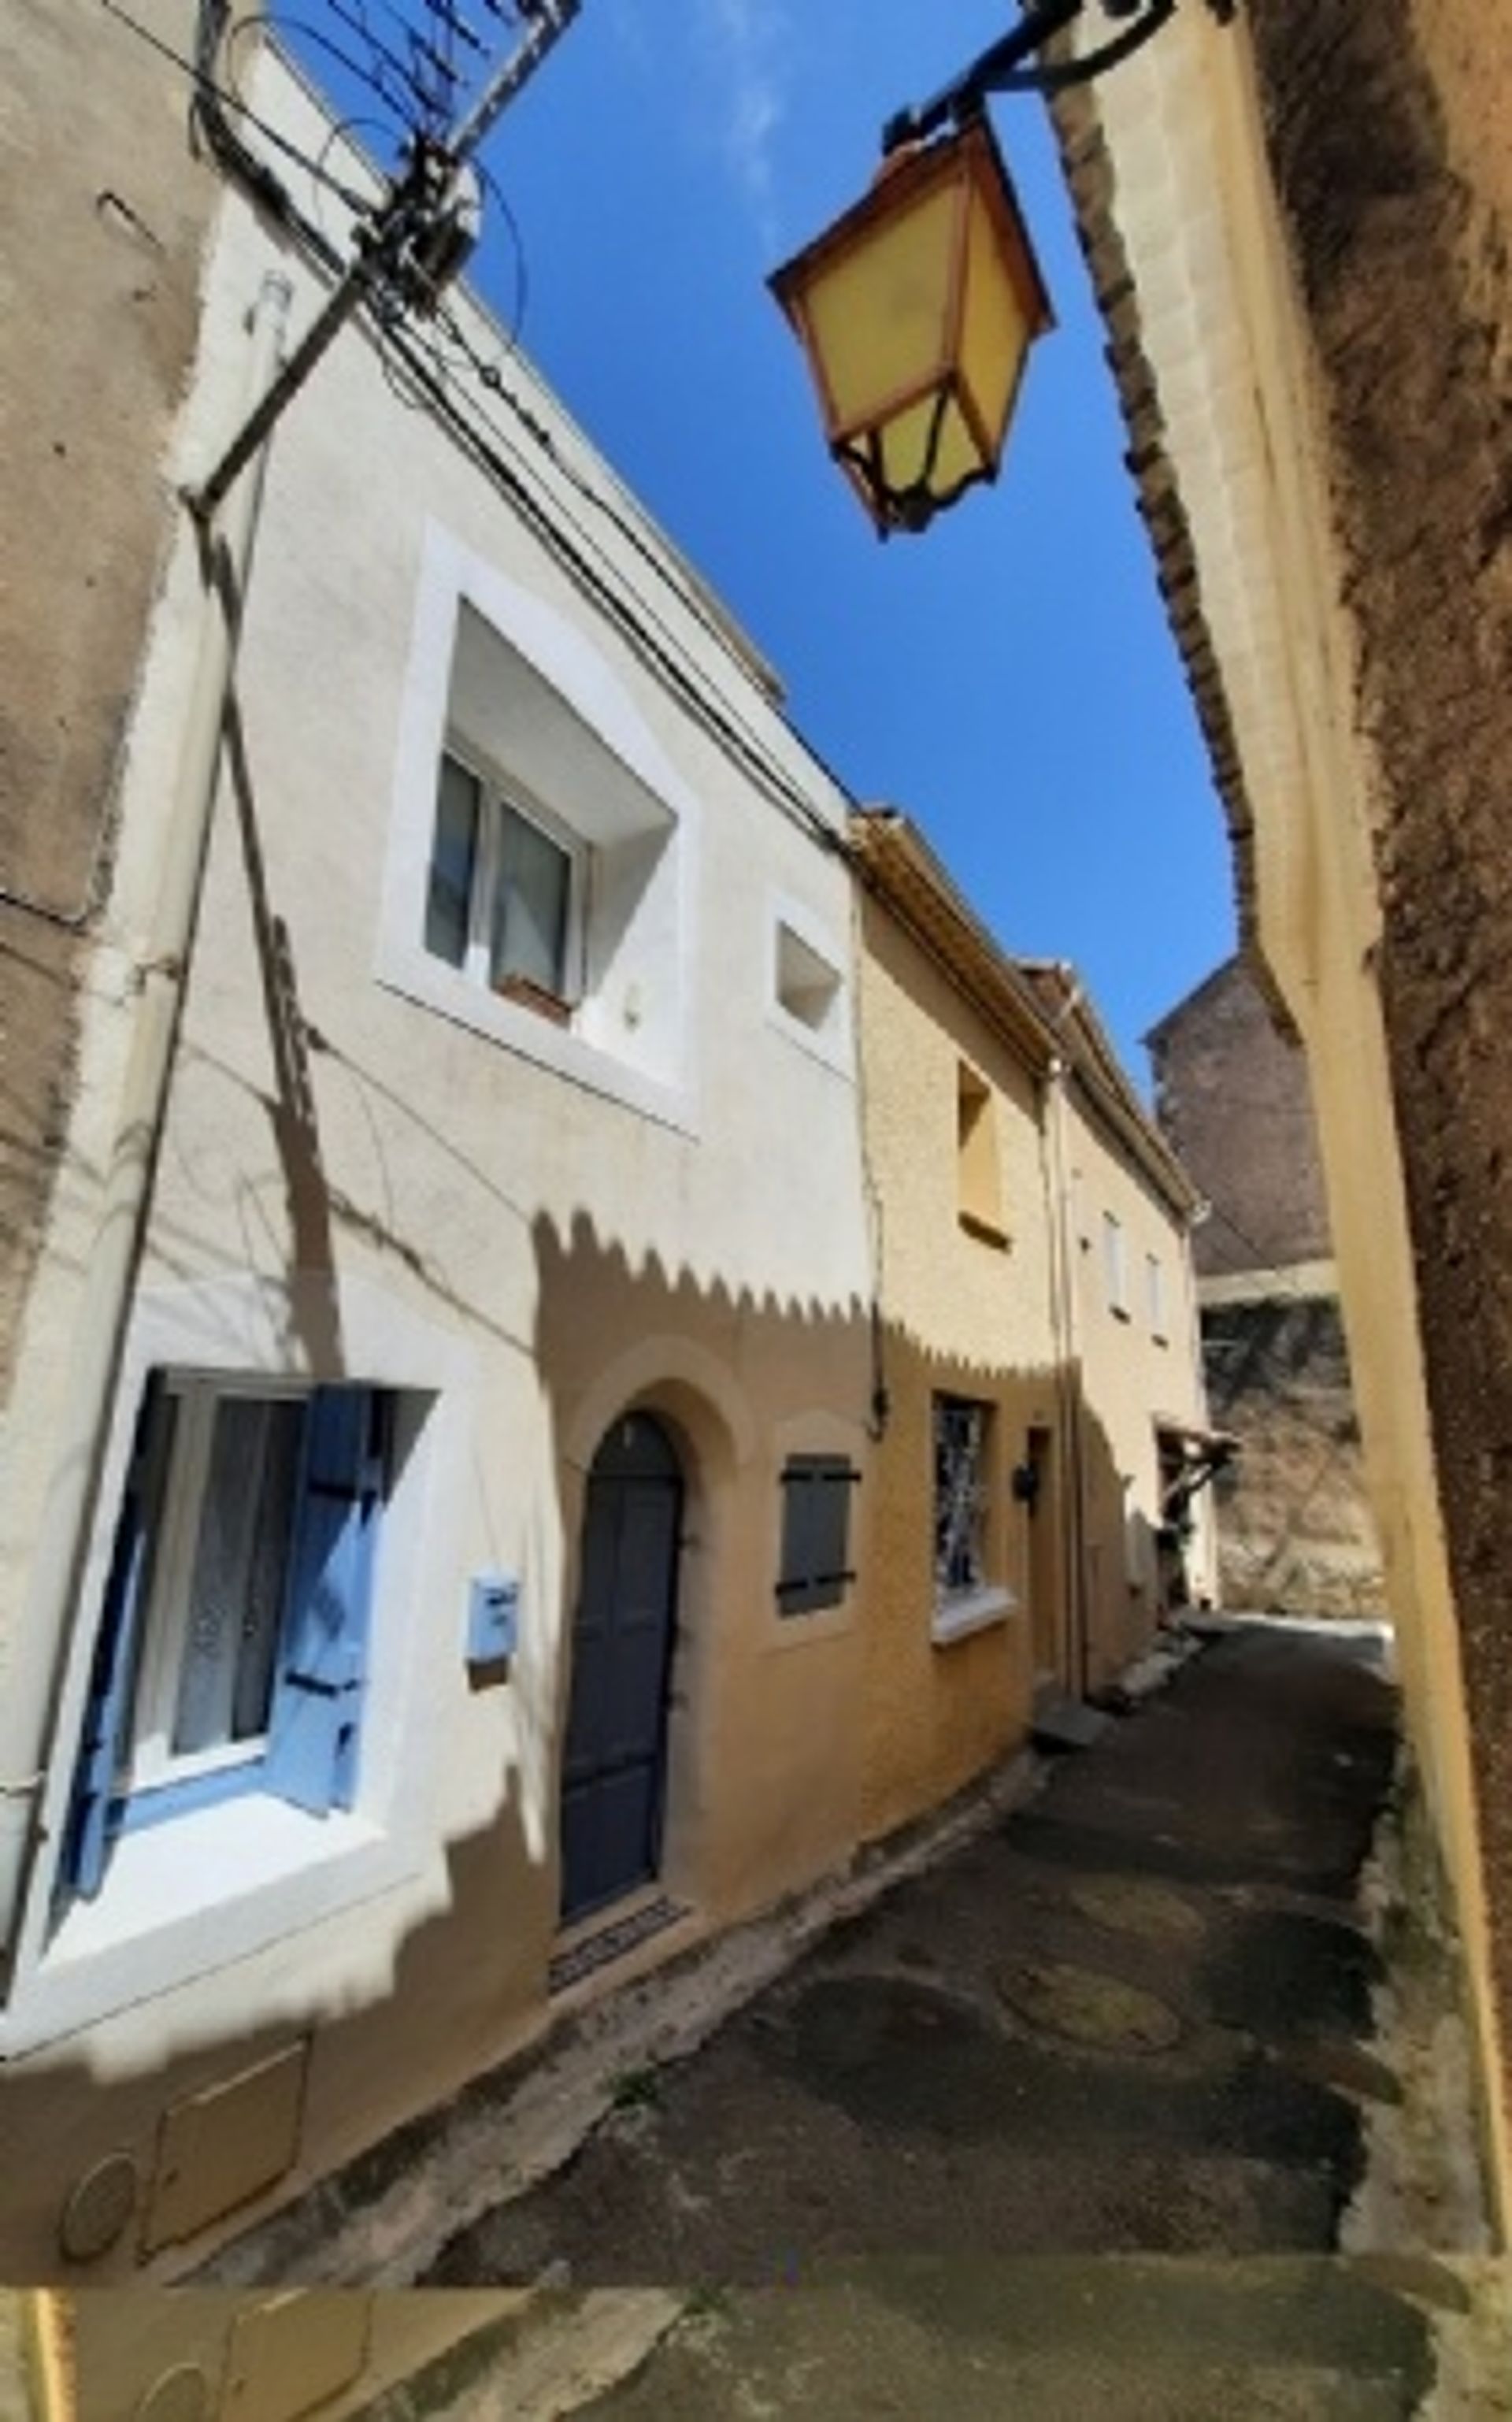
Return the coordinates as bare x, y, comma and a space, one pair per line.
1202, 1454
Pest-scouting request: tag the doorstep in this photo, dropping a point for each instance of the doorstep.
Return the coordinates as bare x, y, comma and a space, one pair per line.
628, 1936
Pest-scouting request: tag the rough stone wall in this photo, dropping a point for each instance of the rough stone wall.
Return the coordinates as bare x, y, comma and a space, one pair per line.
1231, 1096
1390, 125
1295, 1532
103, 214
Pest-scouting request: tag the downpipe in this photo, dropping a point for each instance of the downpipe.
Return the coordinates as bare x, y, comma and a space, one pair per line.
33, 1681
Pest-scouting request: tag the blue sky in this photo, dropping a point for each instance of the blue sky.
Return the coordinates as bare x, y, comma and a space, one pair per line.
1008, 678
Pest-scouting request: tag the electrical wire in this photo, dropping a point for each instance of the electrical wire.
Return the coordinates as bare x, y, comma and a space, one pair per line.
647, 629
491, 380
361, 203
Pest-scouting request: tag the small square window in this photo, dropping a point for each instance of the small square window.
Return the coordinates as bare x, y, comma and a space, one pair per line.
1115, 1265
1155, 1297
503, 903
808, 987
963, 1434
231, 1650
979, 1187
816, 1493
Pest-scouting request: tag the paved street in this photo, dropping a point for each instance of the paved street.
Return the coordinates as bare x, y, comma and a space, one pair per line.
1066, 2125
1133, 2018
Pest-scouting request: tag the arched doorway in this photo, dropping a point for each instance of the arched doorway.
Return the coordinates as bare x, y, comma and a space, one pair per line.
615, 1754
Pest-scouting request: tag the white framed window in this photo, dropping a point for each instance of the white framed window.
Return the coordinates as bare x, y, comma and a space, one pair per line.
220, 1483
542, 881
807, 994
1155, 1294
808, 987
232, 1648
1115, 1265
506, 890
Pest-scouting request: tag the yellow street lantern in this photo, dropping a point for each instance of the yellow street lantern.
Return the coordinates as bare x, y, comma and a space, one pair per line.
917, 310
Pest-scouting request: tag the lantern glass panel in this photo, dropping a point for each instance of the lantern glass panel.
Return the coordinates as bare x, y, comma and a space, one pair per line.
905, 449
996, 328
879, 310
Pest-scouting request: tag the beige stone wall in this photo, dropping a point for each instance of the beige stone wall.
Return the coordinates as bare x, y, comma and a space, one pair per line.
1231, 1100
98, 270
1134, 1369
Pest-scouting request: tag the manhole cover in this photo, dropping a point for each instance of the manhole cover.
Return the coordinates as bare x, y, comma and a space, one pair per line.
1086, 2007
1133, 1905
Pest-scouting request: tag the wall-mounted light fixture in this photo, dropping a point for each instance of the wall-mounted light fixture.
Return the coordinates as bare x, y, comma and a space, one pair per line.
917, 308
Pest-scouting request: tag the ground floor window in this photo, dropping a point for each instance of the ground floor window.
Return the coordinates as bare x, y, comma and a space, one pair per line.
817, 1497
963, 1431
232, 1653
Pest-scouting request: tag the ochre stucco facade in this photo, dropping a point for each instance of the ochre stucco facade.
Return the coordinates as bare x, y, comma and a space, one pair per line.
993, 1294
966, 1316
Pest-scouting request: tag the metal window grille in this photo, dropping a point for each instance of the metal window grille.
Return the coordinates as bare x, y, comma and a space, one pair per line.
961, 1494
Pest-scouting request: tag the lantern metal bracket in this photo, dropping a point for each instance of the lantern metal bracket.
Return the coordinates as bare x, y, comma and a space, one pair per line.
1015, 63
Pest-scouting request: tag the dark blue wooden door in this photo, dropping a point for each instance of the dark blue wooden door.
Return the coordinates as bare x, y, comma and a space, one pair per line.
614, 1757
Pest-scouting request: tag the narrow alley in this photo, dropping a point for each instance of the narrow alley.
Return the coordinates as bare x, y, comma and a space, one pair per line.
1134, 2017
1073, 2117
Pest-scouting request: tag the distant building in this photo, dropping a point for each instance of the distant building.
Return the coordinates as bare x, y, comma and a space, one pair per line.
1295, 1527
1040, 1410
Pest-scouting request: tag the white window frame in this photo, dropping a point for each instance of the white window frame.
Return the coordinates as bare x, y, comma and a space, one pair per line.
151, 1759
225, 1883
499, 795
1155, 1291
1115, 1265
567, 658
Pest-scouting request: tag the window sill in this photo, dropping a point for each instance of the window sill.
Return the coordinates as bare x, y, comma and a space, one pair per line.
986, 1231
957, 1618
567, 1051
535, 996
188, 1898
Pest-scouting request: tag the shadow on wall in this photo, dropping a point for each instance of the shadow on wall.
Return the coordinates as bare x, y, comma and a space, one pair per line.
360, 2021
1003, 1560
355, 2024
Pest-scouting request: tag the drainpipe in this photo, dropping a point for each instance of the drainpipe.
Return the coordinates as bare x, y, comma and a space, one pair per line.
47, 2357
28, 1706
1063, 1252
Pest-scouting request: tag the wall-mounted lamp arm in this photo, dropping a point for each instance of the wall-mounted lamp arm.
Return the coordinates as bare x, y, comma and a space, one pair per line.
1013, 64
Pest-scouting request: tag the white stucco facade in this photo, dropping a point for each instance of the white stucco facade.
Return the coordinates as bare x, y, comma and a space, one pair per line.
374, 1170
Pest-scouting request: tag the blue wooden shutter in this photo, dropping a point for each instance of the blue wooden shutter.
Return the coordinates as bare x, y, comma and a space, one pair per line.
94, 1816
815, 1532
317, 1708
